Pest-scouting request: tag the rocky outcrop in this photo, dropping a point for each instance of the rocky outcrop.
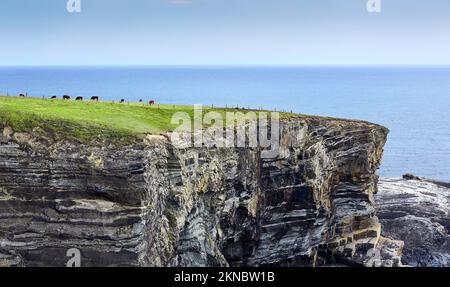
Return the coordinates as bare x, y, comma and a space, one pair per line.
150, 204
417, 211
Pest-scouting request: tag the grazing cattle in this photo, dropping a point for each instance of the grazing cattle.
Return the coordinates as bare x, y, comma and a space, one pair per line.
21, 95
122, 101
94, 99
140, 101
79, 99
66, 97
54, 97
151, 103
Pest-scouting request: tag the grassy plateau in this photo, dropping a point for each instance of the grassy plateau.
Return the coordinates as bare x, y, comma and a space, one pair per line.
88, 120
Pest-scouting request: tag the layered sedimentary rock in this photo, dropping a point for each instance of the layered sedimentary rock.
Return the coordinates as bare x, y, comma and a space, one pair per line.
150, 204
417, 211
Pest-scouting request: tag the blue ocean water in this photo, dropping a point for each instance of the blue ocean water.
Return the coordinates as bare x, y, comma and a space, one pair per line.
413, 102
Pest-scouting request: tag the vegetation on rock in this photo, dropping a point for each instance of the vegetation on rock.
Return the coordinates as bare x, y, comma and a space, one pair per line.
87, 120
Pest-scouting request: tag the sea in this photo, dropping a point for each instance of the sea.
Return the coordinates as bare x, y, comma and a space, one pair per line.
413, 102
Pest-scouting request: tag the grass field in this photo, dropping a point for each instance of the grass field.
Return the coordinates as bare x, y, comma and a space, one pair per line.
88, 120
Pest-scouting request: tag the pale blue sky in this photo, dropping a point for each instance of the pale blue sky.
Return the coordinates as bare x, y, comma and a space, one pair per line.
224, 32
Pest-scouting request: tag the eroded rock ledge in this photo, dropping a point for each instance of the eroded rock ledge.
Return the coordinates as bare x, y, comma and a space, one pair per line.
149, 204
417, 211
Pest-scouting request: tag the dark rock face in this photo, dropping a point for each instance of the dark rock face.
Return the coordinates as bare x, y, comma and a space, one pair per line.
150, 204
409, 176
417, 212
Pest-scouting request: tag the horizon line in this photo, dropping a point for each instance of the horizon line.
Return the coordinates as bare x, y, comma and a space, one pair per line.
222, 65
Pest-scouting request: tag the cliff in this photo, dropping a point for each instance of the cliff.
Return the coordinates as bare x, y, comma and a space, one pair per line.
147, 203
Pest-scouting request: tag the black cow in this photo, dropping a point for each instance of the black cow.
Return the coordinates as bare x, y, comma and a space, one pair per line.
151, 103
94, 99
21, 95
54, 97
122, 101
66, 97
140, 101
79, 99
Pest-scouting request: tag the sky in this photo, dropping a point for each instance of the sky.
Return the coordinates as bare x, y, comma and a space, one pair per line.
224, 32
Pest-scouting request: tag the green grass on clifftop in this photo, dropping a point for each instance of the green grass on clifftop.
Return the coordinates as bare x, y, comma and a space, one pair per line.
88, 120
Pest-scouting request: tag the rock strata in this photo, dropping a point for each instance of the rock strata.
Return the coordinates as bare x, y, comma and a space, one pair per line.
151, 204
417, 211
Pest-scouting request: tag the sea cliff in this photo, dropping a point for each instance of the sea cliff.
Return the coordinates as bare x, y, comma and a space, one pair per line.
148, 203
